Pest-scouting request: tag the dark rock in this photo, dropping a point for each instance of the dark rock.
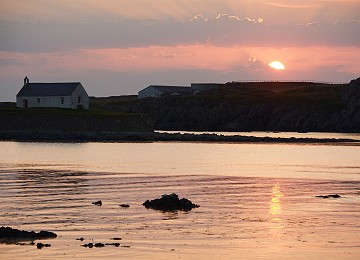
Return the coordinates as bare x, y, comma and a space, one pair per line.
81, 239
335, 196
124, 205
41, 245
116, 238
98, 203
170, 203
98, 245
10, 235
113, 244
25, 244
89, 245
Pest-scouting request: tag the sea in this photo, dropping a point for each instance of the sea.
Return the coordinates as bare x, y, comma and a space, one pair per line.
257, 200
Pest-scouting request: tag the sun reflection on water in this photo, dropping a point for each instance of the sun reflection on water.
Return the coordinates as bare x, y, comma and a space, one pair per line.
275, 208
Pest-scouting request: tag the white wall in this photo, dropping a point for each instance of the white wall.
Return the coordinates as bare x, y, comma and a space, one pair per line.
52, 101
56, 101
84, 98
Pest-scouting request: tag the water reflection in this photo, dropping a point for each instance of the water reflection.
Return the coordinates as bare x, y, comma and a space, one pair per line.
168, 215
275, 208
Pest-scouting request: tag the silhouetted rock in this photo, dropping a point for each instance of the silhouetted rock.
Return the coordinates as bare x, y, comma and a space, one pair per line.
97, 203
335, 196
169, 203
98, 245
10, 235
41, 245
124, 205
81, 239
89, 245
113, 244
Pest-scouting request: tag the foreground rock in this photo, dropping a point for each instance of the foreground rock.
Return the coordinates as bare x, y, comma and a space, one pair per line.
97, 203
11, 235
170, 203
335, 196
41, 245
91, 245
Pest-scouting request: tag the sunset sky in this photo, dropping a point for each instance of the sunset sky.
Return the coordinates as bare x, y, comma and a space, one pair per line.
118, 47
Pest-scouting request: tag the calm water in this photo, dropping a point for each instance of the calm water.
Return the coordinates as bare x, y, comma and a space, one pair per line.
354, 136
257, 200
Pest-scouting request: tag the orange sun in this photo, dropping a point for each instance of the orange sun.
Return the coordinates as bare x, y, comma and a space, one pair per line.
277, 65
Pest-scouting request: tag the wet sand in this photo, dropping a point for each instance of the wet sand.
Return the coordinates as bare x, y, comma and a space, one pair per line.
238, 218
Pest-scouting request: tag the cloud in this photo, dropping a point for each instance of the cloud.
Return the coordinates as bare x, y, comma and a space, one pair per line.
209, 40
254, 64
273, 11
6, 62
219, 30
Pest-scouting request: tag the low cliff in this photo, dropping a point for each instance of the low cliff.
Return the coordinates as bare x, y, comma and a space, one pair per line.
264, 106
50, 124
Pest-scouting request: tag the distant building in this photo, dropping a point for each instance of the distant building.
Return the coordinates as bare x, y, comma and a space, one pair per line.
58, 95
160, 91
201, 87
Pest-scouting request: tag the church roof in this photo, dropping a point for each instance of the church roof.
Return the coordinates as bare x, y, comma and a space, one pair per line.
48, 89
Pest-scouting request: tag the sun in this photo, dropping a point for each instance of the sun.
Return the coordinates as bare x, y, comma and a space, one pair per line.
277, 65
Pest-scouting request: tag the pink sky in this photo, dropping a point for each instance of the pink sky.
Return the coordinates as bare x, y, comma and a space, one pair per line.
119, 47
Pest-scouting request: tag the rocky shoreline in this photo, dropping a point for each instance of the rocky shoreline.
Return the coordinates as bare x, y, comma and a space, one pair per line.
58, 136
10, 235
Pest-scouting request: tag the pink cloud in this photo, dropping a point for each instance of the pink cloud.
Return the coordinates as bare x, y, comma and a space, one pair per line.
209, 57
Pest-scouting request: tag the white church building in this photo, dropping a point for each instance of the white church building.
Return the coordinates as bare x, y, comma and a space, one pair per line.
57, 95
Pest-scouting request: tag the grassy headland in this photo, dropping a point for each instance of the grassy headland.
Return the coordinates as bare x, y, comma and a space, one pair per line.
55, 124
235, 106
252, 106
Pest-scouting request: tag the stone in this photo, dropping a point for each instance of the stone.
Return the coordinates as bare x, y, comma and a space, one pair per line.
113, 244
170, 203
97, 203
11, 235
89, 245
41, 245
335, 196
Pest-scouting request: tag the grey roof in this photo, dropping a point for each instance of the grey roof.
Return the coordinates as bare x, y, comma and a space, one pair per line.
48, 89
168, 90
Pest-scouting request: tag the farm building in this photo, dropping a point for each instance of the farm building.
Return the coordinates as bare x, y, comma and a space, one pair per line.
57, 95
160, 91
201, 87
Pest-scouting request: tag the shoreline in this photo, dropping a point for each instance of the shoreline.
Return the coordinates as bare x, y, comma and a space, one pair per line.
59, 136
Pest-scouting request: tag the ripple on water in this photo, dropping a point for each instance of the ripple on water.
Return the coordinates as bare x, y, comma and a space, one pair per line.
239, 216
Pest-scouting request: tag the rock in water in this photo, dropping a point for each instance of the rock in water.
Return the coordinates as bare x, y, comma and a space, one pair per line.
98, 203
10, 235
170, 203
335, 196
41, 245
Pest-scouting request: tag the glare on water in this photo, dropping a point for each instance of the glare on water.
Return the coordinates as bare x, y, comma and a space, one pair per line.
256, 200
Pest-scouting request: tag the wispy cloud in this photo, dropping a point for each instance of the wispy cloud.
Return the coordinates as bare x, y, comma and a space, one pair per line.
221, 30
128, 44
